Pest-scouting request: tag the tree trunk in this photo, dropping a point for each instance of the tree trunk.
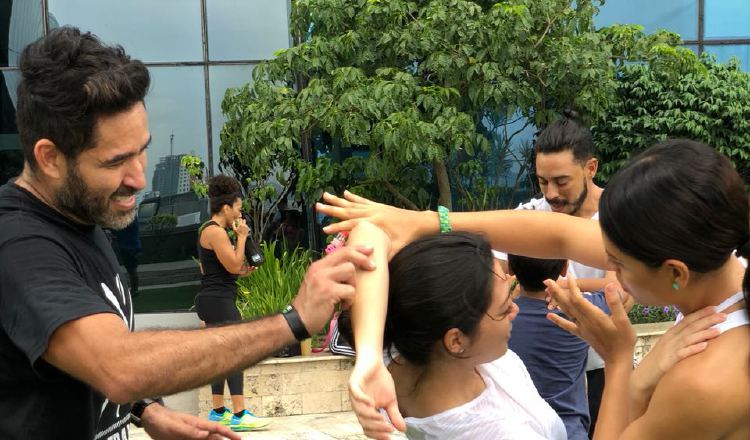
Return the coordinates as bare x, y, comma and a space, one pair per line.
443, 183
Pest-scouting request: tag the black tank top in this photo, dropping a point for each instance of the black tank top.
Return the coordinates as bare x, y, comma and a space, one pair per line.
216, 280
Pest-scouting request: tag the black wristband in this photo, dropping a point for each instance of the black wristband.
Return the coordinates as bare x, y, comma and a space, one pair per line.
295, 323
136, 411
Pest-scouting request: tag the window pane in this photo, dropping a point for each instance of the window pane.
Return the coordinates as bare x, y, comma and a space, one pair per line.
727, 19
725, 52
164, 30
246, 29
20, 24
169, 212
11, 158
693, 47
222, 78
679, 16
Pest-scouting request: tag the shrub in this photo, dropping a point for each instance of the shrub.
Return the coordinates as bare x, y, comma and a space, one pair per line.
273, 285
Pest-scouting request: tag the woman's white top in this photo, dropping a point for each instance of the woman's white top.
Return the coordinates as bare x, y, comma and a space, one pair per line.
509, 408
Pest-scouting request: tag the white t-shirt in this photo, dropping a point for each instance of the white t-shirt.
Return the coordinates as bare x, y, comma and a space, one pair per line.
579, 270
510, 408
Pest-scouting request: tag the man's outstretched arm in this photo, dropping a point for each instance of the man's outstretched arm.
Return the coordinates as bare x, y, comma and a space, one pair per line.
124, 366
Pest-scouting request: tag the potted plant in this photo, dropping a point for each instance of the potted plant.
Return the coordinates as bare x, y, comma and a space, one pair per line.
271, 287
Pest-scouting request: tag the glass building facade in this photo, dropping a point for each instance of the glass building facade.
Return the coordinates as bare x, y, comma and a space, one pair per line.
196, 49
720, 27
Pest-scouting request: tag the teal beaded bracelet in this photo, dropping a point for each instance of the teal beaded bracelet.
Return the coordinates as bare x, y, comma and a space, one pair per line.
445, 221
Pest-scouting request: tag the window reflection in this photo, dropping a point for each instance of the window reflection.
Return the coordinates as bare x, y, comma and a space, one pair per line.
679, 16
725, 52
727, 19
246, 29
169, 212
163, 30
222, 78
11, 158
20, 24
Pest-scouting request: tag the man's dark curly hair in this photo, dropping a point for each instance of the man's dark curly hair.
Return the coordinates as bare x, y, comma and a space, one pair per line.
69, 80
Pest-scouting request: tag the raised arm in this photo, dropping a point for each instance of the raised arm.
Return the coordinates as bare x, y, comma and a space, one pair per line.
532, 233
371, 385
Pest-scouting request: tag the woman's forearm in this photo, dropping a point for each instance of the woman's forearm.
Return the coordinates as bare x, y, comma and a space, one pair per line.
371, 301
537, 234
613, 412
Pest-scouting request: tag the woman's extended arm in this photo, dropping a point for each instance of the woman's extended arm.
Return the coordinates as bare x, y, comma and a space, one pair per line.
532, 233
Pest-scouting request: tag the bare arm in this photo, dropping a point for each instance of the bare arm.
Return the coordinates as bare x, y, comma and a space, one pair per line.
371, 303
371, 386
125, 366
99, 350
532, 233
596, 284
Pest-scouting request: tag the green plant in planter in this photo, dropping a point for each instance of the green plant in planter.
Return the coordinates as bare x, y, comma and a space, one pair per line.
273, 285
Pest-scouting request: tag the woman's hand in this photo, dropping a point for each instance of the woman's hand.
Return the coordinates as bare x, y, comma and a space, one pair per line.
690, 336
240, 228
246, 270
611, 336
371, 388
401, 225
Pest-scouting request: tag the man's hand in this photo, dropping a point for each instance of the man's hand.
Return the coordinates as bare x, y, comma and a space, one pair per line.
162, 423
371, 388
330, 281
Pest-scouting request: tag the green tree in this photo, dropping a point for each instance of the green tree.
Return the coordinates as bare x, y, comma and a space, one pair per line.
666, 91
420, 86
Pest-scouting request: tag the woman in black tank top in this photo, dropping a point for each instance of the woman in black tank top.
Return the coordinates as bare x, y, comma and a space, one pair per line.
221, 264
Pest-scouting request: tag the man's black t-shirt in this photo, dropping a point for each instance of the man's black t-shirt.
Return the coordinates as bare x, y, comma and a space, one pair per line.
52, 271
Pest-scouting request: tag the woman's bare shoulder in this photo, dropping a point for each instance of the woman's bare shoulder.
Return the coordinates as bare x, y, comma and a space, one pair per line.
719, 376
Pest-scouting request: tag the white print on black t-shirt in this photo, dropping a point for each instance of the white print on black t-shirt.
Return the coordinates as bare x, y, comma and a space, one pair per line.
122, 434
115, 303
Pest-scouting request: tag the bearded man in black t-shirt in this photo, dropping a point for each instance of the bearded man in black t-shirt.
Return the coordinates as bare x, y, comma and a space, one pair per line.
70, 364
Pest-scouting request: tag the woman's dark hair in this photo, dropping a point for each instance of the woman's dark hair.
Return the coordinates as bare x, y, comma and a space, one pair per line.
679, 199
531, 272
436, 283
222, 190
69, 80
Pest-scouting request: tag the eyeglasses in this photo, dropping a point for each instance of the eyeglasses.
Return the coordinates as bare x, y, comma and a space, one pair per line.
511, 296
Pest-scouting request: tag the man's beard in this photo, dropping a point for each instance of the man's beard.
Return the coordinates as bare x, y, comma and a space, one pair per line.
574, 206
87, 206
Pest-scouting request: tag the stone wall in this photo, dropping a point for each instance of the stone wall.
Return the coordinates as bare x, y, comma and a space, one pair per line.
318, 383
293, 386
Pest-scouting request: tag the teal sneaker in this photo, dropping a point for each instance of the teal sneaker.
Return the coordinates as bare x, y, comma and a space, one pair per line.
224, 418
247, 422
